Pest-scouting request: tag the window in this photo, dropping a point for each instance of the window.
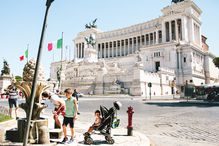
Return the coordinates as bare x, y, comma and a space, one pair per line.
147, 39
184, 59
82, 50
142, 39
77, 50
102, 50
130, 41
126, 42
114, 44
151, 38
114, 48
160, 36
134, 40
155, 37
126, 48
139, 40
111, 44
157, 65
156, 54
122, 44
107, 50
118, 49
98, 50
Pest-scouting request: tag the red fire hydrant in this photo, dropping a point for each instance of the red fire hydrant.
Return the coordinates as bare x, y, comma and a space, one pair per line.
130, 112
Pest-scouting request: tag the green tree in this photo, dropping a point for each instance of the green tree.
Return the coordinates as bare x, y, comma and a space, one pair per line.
18, 78
216, 61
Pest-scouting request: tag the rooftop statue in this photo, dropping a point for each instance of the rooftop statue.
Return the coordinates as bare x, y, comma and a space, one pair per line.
91, 25
176, 1
6, 69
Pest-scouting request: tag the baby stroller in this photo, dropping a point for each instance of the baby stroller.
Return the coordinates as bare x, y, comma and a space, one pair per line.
109, 120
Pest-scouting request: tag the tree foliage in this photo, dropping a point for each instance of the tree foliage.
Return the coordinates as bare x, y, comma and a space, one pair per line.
216, 61
18, 78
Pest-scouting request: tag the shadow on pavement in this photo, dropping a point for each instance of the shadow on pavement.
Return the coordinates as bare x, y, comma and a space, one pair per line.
96, 142
184, 104
119, 135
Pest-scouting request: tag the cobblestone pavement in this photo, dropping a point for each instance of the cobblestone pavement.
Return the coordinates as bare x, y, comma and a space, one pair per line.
189, 126
165, 122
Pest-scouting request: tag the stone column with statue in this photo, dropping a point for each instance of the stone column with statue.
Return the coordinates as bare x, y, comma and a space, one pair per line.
5, 78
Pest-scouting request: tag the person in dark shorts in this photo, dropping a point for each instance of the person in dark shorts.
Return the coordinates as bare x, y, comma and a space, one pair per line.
70, 115
12, 100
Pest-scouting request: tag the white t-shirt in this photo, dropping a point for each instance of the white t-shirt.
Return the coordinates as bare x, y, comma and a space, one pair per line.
56, 100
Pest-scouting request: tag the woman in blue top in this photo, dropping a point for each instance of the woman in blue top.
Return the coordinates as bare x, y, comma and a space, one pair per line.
70, 114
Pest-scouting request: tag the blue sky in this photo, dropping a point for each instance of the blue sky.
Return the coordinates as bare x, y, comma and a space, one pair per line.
21, 24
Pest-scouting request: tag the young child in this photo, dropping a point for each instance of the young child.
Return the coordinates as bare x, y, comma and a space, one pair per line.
70, 115
97, 122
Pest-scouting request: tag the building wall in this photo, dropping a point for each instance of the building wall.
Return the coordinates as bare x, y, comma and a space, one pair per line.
135, 55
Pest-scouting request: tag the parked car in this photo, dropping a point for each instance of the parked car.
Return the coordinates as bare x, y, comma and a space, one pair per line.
80, 94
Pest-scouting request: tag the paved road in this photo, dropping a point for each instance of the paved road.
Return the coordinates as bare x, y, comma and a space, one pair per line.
166, 123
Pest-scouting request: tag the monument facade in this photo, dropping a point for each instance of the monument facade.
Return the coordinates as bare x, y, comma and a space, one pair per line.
166, 52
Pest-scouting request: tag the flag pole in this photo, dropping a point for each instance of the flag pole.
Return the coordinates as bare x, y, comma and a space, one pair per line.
53, 54
69, 49
27, 52
34, 83
61, 64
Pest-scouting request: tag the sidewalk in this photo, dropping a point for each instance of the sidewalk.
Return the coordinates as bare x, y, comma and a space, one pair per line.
119, 134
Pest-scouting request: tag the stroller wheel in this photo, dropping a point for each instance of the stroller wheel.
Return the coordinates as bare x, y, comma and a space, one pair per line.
89, 141
109, 140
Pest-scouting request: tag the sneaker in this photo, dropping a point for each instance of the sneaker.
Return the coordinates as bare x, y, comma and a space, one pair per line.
71, 140
65, 139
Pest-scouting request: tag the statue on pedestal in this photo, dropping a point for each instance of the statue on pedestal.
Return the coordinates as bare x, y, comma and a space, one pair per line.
90, 40
6, 69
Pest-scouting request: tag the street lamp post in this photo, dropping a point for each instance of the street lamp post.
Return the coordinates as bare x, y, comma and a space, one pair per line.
34, 83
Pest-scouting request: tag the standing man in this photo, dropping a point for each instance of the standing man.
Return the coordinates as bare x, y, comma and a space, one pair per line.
75, 94
70, 114
59, 104
12, 100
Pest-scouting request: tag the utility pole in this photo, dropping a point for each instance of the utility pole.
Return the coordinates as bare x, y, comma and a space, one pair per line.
34, 83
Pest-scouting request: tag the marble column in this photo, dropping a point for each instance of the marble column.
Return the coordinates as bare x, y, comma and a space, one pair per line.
128, 47
163, 32
176, 31
157, 37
